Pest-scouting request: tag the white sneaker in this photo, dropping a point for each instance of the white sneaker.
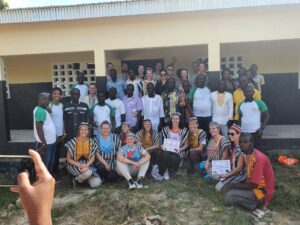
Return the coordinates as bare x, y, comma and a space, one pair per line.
166, 175
139, 184
131, 185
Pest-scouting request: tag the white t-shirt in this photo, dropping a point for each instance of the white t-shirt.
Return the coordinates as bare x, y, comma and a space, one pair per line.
57, 117
250, 113
153, 109
41, 115
101, 113
84, 89
222, 113
119, 108
202, 102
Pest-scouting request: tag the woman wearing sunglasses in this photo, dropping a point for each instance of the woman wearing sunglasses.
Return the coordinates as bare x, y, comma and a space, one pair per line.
237, 160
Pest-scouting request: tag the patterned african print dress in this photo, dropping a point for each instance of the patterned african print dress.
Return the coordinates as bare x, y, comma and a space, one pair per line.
81, 151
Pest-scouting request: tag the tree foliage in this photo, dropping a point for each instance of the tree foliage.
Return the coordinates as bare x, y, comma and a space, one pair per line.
3, 4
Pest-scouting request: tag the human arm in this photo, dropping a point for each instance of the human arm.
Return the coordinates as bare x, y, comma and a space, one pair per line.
184, 146
37, 198
71, 161
144, 159
121, 158
230, 107
225, 153
239, 167
40, 132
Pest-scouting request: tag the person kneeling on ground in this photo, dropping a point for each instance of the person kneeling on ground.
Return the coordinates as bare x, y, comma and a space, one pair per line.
132, 160
258, 190
80, 158
109, 145
237, 160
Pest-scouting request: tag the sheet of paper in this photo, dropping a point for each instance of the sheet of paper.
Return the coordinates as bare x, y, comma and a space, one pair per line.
171, 145
220, 167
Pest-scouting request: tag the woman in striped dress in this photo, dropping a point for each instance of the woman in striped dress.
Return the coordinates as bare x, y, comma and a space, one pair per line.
149, 140
80, 158
106, 155
170, 159
237, 160
218, 148
197, 142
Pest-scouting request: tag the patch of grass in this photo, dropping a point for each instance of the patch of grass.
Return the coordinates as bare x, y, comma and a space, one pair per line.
7, 197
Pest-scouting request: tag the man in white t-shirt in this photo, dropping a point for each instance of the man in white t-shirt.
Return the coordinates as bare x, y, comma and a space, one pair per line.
83, 88
254, 115
102, 112
153, 108
222, 106
200, 103
44, 131
118, 107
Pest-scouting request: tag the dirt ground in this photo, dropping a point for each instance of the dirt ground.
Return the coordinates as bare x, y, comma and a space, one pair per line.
183, 200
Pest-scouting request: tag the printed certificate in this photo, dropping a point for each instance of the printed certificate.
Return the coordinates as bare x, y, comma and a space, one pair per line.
220, 167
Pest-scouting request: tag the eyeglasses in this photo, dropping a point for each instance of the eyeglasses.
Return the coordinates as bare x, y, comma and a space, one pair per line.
230, 134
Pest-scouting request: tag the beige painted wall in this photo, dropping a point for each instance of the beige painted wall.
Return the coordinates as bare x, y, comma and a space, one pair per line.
38, 68
148, 31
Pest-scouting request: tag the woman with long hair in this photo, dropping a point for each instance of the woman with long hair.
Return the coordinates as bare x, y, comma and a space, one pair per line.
237, 160
170, 159
81, 156
149, 140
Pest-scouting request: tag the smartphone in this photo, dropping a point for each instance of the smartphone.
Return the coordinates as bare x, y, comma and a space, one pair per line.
11, 166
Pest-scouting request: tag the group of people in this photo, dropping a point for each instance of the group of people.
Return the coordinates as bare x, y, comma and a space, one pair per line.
124, 135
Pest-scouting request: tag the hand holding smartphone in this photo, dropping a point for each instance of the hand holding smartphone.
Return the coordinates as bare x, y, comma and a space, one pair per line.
11, 166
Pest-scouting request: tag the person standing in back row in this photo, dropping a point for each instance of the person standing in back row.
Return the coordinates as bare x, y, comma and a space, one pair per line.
238, 94
56, 110
200, 103
91, 100
81, 86
222, 106
44, 131
257, 77
254, 115
75, 113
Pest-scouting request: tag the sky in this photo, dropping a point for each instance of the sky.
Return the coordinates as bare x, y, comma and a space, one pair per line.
36, 3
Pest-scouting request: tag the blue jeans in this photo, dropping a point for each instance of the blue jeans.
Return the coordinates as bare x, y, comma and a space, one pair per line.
48, 156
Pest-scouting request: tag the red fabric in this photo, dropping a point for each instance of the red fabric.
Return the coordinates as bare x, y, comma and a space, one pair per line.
263, 169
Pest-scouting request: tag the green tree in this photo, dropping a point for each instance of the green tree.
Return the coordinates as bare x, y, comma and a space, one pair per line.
3, 4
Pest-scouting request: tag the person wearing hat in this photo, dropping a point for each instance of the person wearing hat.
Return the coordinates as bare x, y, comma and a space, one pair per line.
133, 160
237, 160
80, 157
44, 131
218, 148
197, 142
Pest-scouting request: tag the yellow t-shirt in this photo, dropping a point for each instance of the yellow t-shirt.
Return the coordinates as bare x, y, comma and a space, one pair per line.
238, 97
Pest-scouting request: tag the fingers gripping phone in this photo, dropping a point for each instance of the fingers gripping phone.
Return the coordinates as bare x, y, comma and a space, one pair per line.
11, 166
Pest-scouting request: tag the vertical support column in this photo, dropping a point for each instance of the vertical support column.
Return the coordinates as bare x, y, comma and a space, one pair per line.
4, 130
214, 64
99, 57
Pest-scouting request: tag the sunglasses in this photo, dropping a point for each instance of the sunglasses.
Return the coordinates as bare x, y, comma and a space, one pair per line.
230, 134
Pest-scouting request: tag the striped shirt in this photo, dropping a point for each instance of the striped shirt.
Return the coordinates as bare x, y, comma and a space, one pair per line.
155, 137
183, 138
112, 156
70, 145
